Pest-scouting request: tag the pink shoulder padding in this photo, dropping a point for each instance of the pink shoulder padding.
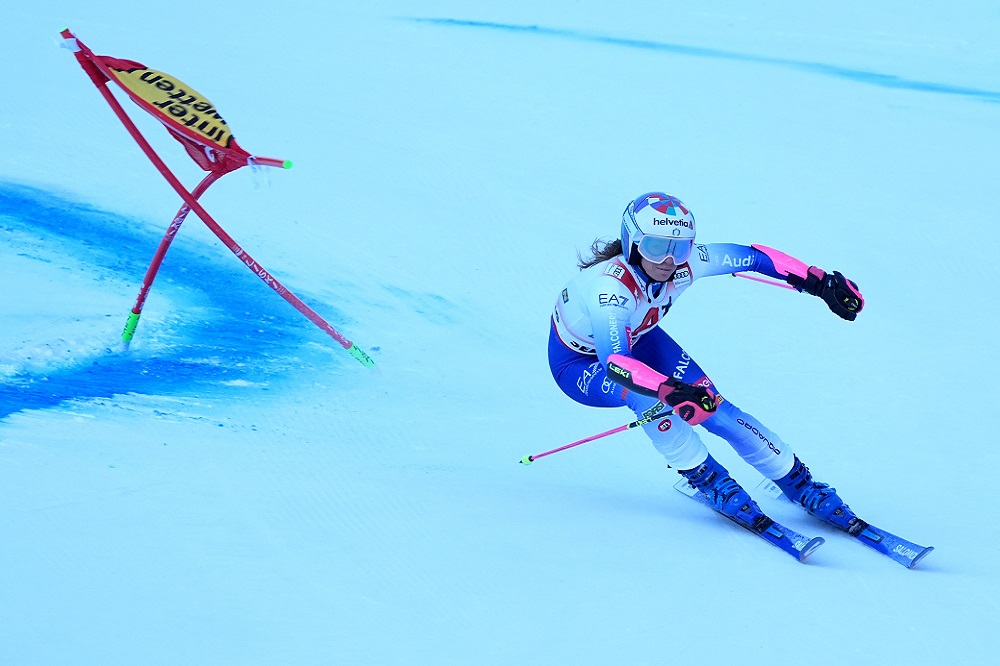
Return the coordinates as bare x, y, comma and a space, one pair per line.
783, 263
641, 374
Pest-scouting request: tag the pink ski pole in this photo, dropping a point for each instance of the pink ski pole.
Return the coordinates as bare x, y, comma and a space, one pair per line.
527, 460
770, 282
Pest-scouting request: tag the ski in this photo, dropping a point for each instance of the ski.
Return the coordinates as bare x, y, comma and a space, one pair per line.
897, 548
892, 546
776, 534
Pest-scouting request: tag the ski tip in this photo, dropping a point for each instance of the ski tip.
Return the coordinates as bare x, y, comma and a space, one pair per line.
924, 553
808, 549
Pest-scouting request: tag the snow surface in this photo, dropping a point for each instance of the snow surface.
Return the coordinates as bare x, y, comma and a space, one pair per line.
237, 490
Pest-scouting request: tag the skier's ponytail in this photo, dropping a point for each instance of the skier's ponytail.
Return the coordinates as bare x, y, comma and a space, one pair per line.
600, 251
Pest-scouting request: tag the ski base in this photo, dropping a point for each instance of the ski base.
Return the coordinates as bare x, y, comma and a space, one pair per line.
776, 534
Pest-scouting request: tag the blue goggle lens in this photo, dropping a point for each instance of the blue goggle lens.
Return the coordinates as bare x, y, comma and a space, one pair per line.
658, 248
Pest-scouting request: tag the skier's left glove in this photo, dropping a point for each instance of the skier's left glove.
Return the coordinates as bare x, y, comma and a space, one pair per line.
692, 403
841, 295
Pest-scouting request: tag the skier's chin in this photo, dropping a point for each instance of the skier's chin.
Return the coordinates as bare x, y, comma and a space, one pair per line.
662, 274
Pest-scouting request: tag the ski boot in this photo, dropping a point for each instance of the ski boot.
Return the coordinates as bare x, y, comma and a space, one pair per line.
727, 496
819, 499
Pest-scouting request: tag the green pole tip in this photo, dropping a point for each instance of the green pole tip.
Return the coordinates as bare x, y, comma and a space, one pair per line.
363, 358
130, 324
287, 164
526, 460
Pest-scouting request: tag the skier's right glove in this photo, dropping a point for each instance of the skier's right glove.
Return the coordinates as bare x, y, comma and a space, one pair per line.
841, 295
691, 402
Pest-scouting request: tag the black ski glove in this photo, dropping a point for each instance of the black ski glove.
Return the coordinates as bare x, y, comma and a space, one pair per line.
841, 295
693, 403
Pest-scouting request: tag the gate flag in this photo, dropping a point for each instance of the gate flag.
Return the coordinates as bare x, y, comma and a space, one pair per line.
194, 121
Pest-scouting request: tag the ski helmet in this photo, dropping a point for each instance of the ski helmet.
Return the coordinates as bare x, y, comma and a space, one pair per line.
657, 226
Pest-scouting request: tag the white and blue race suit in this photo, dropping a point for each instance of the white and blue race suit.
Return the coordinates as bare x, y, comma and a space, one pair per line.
614, 308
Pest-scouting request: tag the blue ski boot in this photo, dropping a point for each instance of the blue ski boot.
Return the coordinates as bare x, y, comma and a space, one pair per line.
819, 499
727, 496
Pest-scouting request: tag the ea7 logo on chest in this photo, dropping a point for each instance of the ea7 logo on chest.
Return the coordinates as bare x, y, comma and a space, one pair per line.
612, 299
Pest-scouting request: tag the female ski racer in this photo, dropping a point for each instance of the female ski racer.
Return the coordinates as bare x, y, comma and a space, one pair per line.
606, 350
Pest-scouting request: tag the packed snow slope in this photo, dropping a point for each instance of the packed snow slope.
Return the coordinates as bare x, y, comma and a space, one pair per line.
235, 489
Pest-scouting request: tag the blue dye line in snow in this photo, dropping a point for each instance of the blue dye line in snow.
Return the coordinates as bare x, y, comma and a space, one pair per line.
857, 75
245, 334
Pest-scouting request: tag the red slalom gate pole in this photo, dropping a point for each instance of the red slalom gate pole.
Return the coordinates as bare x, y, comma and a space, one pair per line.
228, 241
147, 282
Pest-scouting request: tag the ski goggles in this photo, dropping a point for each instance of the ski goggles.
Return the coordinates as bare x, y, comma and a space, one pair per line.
658, 249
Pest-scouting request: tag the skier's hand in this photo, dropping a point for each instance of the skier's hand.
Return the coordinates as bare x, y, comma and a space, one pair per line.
692, 403
841, 295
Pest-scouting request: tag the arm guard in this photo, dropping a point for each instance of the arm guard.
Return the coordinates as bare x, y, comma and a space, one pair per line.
692, 403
